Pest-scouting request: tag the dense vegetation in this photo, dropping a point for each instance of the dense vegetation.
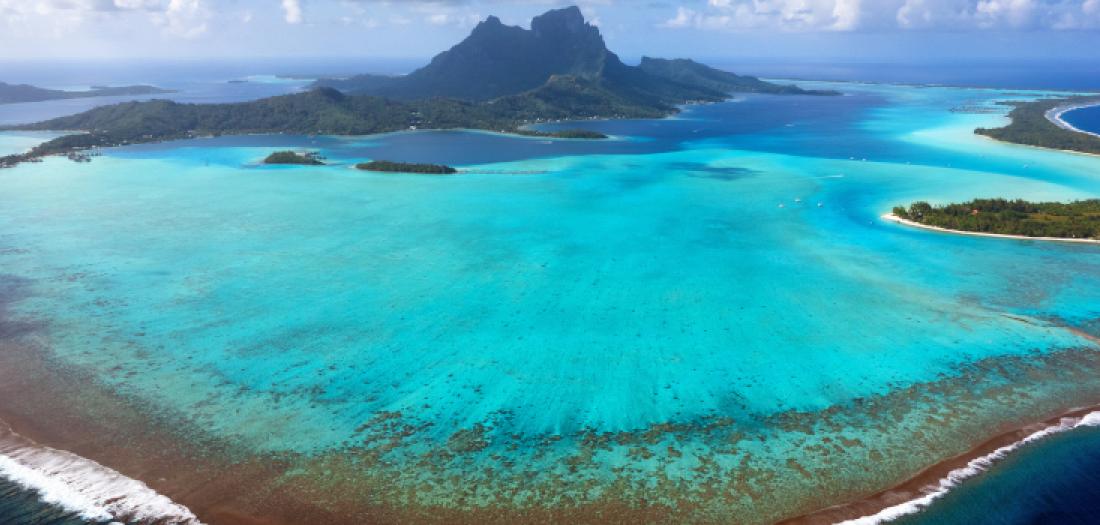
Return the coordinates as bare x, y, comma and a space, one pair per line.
63, 145
291, 157
405, 167
563, 134
1075, 220
12, 93
1030, 126
689, 72
321, 111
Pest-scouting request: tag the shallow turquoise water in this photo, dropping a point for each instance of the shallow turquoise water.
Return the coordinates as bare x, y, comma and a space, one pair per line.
680, 274
14, 142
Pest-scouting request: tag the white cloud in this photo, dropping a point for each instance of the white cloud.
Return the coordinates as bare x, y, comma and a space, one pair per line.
785, 15
590, 15
137, 4
1011, 13
850, 15
60, 18
184, 18
846, 14
444, 13
684, 17
292, 11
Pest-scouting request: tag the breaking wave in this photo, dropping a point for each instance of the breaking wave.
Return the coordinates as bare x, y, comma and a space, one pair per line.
83, 487
973, 468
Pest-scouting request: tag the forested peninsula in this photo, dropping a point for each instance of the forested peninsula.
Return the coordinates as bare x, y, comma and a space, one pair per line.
1074, 220
1034, 124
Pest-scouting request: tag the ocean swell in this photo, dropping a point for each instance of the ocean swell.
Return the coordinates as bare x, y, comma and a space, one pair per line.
973, 468
84, 487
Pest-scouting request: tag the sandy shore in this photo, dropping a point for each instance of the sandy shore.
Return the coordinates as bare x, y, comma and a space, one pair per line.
894, 218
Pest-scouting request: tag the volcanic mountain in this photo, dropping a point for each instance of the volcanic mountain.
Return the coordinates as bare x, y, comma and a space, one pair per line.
560, 50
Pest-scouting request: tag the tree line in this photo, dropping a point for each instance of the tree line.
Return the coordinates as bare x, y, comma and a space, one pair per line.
1072, 220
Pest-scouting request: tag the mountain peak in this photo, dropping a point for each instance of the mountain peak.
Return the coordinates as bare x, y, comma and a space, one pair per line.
499, 60
567, 19
489, 23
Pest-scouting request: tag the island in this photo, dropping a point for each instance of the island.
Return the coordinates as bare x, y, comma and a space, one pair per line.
1038, 123
387, 166
500, 79
1074, 221
582, 134
292, 157
15, 93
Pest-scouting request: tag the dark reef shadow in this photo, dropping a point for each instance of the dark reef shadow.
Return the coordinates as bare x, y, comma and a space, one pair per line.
704, 171
12, 290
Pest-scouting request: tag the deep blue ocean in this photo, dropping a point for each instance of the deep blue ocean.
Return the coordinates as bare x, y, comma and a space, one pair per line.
1085, 119
19, 506
1054, 481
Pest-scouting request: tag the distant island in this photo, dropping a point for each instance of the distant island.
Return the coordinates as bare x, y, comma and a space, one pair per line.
1038, 123
405, 167
291, 157
15, 93
1076, 221
560, 51
563, 134
500, 78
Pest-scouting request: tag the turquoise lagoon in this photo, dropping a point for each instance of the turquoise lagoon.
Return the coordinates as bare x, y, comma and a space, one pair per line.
706, 312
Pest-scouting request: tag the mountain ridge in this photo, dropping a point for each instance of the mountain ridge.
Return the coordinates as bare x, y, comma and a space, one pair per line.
469, 86
497, 60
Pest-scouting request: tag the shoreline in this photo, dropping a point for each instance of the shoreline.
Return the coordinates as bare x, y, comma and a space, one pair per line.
1019, 145
89, 489
914, 495
890, 217
917, 493
147, 467
1055, 117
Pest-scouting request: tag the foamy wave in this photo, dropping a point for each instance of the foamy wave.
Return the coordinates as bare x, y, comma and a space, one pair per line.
84, 487
973, 468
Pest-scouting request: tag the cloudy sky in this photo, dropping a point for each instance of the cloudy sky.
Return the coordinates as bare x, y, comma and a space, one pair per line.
742, 29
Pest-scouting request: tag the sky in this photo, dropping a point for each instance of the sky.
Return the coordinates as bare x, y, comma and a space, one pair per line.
855, 30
